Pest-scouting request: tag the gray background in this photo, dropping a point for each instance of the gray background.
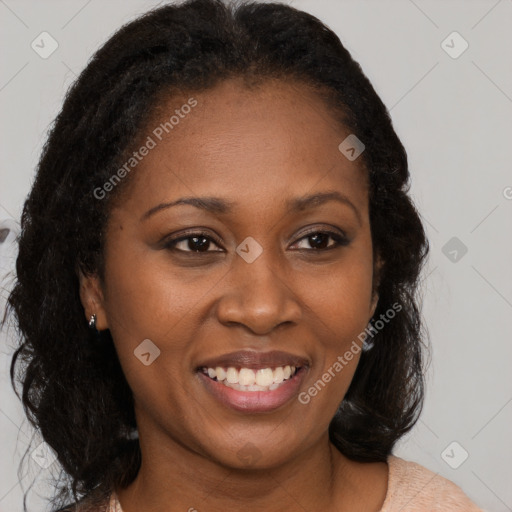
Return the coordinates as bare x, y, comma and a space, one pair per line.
453, 116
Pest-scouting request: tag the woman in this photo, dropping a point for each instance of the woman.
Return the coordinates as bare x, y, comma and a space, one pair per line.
217, 276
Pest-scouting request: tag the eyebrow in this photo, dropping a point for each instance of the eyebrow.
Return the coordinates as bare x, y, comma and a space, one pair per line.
219, 206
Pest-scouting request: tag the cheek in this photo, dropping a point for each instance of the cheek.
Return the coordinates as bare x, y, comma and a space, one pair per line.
147, 295
149, 299
339, 307
340, 297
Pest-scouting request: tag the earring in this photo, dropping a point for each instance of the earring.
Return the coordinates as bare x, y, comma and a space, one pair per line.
92, 321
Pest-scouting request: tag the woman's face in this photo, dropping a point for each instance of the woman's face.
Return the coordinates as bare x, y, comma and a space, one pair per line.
256, 287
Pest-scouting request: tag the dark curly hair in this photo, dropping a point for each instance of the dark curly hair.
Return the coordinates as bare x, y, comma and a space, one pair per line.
72, 385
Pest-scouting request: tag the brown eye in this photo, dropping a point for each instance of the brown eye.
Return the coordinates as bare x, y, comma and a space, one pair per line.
196, 242
319, 241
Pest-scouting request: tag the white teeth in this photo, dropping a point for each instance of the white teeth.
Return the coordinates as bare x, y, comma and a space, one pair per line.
239, 387
278, 375
264, 377
247, 379
232, 375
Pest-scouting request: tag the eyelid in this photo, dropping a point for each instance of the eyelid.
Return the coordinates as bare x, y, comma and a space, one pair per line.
339, 236
192, 233
340, 239
322, 229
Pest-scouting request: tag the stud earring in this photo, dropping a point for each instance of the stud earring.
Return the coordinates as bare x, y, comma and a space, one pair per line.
92, 321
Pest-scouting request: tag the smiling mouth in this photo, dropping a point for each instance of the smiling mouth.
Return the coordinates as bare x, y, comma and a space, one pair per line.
248, 379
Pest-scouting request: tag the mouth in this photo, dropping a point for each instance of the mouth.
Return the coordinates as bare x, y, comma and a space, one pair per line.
253, 382
249, 380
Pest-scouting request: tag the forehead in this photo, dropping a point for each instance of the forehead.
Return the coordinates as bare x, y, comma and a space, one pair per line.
243, 142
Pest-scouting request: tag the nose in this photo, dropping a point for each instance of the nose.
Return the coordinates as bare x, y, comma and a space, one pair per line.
259, 296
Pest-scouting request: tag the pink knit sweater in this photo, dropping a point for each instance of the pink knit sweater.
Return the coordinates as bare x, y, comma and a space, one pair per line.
414, 488
411, 488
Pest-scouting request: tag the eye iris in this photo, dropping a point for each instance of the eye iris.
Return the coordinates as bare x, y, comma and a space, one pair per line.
319, 240
198, 243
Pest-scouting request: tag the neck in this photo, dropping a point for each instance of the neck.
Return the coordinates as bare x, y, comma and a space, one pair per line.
172, 475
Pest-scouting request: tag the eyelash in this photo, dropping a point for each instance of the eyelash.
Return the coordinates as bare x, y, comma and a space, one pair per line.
340, 241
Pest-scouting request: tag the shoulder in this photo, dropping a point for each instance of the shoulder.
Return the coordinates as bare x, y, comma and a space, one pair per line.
419, 489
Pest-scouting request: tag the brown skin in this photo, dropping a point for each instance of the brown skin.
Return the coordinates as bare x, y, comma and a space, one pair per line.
257, 147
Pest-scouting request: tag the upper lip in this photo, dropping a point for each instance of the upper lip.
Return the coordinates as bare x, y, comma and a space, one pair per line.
255, 360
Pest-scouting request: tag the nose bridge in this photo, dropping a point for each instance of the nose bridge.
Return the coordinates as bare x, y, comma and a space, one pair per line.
260, 275
259, 284
258, 295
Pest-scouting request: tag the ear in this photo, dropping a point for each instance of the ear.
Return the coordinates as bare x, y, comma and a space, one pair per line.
379, 263
91, 296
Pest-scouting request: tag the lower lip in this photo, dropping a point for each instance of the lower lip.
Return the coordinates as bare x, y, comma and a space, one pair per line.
254, 401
